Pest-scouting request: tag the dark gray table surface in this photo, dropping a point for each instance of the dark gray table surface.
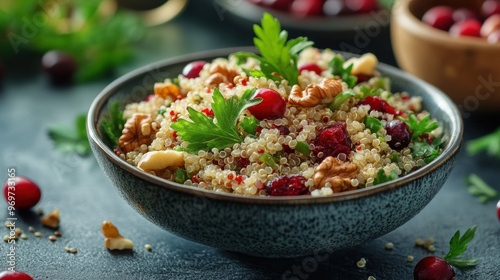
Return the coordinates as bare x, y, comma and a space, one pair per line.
29, 104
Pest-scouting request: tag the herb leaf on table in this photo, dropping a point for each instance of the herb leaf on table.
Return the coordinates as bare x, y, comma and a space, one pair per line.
489, 143
458, 246
71, 140
278, 56
479, 188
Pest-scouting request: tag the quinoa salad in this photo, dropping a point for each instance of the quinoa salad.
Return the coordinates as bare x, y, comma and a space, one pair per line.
316, 124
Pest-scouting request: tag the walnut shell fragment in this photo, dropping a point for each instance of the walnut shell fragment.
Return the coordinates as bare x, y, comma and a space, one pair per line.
136, 132
112, 238
335, 172
220, 73
165, 90
52, 219
313, 95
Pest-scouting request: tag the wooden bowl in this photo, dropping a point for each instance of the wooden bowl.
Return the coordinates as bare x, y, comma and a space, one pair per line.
467, 69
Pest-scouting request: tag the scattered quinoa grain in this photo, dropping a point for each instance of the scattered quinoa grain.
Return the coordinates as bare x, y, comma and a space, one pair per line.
361, 263
427, 244
71, 250
148, 247
57, 233
431, 248
40, 212
389, 246
52, 238
6, 238
38, 234
410, 258
372, 278
31, 229
24, 236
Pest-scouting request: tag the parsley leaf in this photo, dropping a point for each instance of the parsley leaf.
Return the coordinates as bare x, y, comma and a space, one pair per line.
420, 127
373, 124
340, 99
249, 125
69, 140
425, 150
489, 143
382, 177
480, 188
205, 133
279, 55
114, 123
458, 246
336, 67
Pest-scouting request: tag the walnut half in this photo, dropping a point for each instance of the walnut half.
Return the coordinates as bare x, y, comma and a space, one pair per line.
220, 73
136, 132
337, 173
312, 95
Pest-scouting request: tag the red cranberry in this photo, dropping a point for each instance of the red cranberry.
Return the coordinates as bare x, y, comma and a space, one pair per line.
332, 140
377, 103
287, 186
400, 134
490, 7
60, 66
463, 14
306, 8
193, 69
440, 17
363, 78
361, 6
498, 209
272, 105
14, 275
25, 192
313, 67
469, 27
277, 4
433, 268
208, 112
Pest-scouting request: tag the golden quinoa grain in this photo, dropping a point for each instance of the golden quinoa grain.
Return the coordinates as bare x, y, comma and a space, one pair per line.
389, 246
24, 236
38, 234
372, 278
52, 238
361, 263
410, 258
148, 247
31, 229
6, 238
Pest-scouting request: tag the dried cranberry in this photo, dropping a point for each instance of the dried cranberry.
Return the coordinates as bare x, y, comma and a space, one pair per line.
363, 78
433, 268
313, 67
22, 191
272, 105
242, 162
284, 186
377, 103
282, 129
332, 140
14, 275
193, 69
400, 134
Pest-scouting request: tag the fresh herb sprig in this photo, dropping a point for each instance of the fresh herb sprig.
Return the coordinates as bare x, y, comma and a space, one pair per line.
420, 127
479, 188
205, 133
382, 177
489, 143
113, 124
422, 149
336, 67
458, 246
79, 28
340, 99
71, 140
278, 56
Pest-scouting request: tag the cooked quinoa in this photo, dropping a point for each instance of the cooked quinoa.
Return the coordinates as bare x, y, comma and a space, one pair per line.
251, 166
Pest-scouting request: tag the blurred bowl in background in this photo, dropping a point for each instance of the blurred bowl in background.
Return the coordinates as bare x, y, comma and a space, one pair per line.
466, 68
154, 12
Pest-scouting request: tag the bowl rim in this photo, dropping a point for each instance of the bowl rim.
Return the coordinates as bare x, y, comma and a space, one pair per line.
100, 101
411, 23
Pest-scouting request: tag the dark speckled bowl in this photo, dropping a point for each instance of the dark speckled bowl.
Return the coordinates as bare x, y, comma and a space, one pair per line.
273, 226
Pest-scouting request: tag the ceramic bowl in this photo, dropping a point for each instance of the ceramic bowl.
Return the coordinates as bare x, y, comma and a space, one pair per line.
467, 69
272, 226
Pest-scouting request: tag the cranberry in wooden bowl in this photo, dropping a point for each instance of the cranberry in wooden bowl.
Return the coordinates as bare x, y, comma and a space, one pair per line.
454, 46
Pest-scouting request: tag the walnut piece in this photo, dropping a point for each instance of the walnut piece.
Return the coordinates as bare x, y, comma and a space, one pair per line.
112, 238
313, 95
52, 219
136, 132
157, 160
165, 90
220, 73
337, 173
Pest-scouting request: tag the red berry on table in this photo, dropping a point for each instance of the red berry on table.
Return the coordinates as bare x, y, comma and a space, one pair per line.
24, 192
440, 17
272, 105
14, 275
498, 209
469, 27
310, 67
193, 69
490, 7
306, 8
433, 268
60, 66
361, 6
400, 134
285, 186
